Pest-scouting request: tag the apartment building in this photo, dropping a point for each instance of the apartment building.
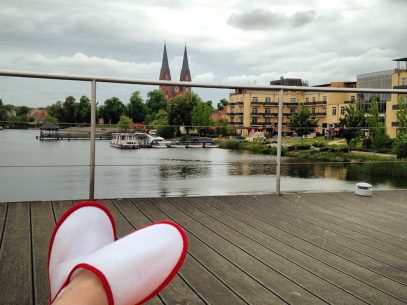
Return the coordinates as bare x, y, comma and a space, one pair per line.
257, 110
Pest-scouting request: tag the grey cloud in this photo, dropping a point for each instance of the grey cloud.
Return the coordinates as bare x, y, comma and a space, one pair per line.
302, 18
255, 19
264, 19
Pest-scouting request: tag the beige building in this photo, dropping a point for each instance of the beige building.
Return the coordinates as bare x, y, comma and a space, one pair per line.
257, 110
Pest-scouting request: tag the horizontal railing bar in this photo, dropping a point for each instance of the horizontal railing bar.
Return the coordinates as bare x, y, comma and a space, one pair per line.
206, 163
73, 77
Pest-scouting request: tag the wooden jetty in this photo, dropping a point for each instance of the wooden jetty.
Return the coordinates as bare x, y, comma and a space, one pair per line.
325, 248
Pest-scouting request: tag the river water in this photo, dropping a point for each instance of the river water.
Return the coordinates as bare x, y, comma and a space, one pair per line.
32, 170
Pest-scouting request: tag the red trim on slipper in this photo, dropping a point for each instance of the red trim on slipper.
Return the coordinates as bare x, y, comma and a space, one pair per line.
61, 221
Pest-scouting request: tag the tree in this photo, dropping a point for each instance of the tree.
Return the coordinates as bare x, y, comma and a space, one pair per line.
56, 111
400, 146
201, 116
50, 119
351, 124
223, 128
161, 124
136, 109
69, 110
377, 130
22, 110
180, 109
302, 123
155, 102
222, 104
111, 110
125, 123
402, 117
83, 110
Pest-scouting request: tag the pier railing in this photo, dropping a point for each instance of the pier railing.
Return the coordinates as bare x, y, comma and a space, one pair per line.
93, 80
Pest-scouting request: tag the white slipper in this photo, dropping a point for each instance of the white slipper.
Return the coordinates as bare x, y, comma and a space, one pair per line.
83, 229
138, 266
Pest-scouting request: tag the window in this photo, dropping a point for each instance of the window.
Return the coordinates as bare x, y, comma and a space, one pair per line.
325, 98
254, 110
333, 110
313, 99
342, 110
267, 111
313, 110
404, 81
352, 98
268, 100
255, 99
292, 110
254, 120
293, 100
307, 100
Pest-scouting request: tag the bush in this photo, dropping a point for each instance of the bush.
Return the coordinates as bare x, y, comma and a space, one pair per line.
400, 147
318, 144
229, 144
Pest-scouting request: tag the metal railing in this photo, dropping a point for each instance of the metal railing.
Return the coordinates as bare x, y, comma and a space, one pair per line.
103, 79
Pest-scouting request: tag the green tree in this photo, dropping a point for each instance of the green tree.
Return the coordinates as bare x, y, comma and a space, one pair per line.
69, 110
125, 123
201, 116
351, 124
223, 128
302, 123
50, 119
111, 110
402, 117
400, 146
22, 110
222, 104
180, 109
155, 102
377, 130
83, 110
56, 110
136, 109
161, 124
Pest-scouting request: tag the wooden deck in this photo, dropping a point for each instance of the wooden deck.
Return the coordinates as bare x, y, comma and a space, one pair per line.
328, 248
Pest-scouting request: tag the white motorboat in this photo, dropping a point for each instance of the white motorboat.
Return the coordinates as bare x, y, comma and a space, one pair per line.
159, 142
124, 140
142, 139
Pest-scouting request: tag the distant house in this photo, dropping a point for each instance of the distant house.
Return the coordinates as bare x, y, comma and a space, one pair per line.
37, 114
219, 114
11, 113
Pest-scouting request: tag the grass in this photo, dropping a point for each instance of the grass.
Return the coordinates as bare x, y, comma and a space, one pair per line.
395, 170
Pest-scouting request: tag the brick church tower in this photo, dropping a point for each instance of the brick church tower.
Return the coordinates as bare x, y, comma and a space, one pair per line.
165, 74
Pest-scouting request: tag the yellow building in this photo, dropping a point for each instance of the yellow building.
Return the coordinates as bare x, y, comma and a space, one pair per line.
257, 110
398, 81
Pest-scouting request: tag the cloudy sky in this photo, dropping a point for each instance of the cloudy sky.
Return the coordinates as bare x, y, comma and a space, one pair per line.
235, 41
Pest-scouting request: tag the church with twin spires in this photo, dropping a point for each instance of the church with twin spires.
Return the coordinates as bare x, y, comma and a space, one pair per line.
165, 74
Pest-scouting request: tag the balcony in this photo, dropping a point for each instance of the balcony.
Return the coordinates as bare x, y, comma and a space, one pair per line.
395, 107
321, 113
236, 103
234, 113
395, 124
315, 103
400, 87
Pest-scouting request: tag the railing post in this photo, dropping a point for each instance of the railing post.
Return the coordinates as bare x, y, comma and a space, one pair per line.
92, 142
280, 127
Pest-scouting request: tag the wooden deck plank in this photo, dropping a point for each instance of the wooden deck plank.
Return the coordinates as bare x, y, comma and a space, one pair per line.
192, 269
362, 233
3, 214
394, 198
320, 202
232, 275
226, 212
299, 223
42, 223
15, 257
259, 242
59, 208
287, 279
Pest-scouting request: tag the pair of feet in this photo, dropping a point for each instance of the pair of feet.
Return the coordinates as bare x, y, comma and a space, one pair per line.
131, 270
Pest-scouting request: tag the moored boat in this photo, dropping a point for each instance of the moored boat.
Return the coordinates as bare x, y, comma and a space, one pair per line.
124, 140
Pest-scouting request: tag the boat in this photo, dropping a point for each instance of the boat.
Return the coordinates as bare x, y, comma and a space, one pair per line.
159, 142
143, 140
201, 143
124, 140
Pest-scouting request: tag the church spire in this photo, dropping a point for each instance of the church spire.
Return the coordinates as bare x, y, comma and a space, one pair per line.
185, 73
165, 73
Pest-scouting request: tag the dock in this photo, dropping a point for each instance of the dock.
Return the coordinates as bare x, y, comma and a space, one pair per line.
298, 248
